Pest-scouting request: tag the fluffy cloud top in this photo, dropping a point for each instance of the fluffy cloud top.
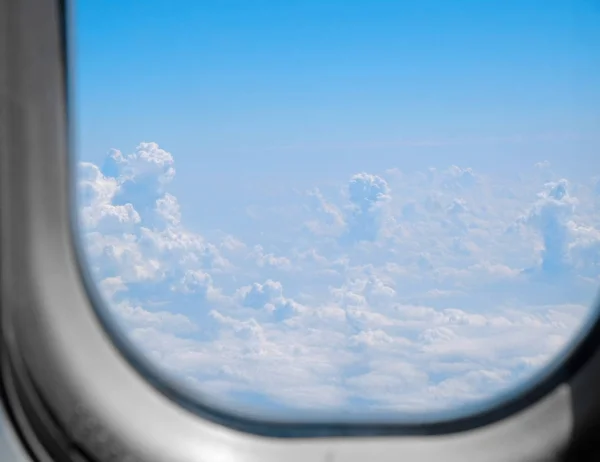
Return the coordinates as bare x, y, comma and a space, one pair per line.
368, 194
404, 291
551, 215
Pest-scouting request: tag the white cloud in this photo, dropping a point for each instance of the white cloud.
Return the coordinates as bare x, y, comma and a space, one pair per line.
164, 320
149, 162
168, 209
367, 194
96, 193
268, 259
196, 282
550, 215
459, 178
435, 295
258, 295
327, 219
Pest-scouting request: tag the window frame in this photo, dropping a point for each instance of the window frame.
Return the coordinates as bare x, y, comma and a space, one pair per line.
62, 361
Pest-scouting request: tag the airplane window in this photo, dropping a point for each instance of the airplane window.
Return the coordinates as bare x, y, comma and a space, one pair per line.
308, 209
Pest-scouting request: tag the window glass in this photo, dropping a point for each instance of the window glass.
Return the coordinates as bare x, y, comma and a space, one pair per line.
300, 208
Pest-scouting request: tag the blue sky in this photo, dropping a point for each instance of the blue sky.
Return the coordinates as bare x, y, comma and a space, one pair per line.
376, 195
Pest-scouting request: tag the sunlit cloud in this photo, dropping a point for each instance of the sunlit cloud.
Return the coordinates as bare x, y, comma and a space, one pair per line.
405, 291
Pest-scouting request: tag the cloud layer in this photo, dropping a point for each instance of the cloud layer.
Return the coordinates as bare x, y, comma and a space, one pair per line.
403, 291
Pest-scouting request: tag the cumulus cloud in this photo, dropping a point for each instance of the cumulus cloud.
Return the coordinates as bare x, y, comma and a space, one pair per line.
269, 298
459, 178
327, 219
550, 215
142, 175
263, 259
149, 164
418, 299
367, 194
196, 282
258, 295
96, 195
139, 317
167, 208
